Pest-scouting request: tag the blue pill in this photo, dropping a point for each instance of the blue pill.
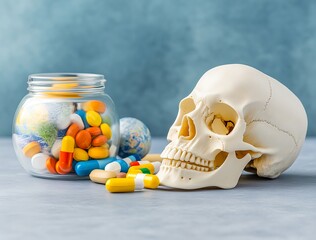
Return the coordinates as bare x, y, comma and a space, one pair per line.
86, 167
82, 114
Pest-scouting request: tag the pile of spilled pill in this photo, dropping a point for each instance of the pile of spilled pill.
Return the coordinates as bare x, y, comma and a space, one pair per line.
128, 174
78, 138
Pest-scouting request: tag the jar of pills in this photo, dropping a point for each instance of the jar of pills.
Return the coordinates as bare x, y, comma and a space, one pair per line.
65, 119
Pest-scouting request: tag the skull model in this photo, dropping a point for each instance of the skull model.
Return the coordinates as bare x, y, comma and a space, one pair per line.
235, 118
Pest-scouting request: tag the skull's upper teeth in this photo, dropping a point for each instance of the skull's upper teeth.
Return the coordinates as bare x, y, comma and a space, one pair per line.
177, 155
172, 153
192, 159
183, 155
187, 158
182, 159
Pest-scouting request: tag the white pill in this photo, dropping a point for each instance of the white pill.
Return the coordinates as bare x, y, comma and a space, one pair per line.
39, 161
56, 148
75, 118
113, 166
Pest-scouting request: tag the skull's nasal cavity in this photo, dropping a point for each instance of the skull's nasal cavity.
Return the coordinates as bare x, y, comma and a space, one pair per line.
187, 130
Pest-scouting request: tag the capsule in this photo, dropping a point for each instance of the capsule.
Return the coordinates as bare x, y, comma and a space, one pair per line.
85, 168
149, 180
153, 167
64, 165
140, 170
137, 163
122, 165
152, 158
132, 182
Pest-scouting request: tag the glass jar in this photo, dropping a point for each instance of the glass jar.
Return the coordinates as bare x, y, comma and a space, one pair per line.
63, 120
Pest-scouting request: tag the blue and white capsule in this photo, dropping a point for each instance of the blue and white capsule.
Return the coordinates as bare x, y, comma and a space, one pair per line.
121, 165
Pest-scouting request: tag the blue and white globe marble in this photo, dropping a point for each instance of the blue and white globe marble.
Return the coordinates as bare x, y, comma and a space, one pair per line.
135, 137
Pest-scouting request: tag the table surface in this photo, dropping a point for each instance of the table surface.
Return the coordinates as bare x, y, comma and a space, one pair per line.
34, 208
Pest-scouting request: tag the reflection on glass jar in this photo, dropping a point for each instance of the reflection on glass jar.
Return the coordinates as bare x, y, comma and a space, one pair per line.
64, 119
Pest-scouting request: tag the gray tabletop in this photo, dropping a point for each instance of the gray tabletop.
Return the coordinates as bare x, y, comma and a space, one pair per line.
34, 208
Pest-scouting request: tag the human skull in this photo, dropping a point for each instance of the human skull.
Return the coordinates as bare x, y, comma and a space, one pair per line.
235, 118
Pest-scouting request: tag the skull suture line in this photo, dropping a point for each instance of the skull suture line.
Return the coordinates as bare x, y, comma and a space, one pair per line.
235, 118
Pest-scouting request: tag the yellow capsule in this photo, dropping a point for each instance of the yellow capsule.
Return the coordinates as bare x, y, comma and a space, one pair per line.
98, 152
153, 167
106, 130
80, 155
149, 180
115, 185
93, 118
67, 144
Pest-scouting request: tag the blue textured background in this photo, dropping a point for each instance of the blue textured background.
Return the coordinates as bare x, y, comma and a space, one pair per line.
153, 52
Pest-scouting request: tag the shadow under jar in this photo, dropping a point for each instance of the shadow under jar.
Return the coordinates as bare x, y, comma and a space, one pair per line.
64, 119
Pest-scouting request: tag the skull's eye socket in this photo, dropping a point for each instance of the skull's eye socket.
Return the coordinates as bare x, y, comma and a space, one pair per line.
222, 119
186, 105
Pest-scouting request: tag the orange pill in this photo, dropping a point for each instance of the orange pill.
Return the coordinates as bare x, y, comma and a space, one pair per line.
73, 130
31, 149
83, 139
99, 141
98, 152
51, 165
94, 105
94, 131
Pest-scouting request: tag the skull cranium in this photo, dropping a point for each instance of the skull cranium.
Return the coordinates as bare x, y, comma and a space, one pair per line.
235, 118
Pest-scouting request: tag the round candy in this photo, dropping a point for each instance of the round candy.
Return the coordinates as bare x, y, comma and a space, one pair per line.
135, 138
106, 130
80, 155
98, 152
94, 131
93, 118
94, 105
83, 139
73, 130
99, 141
39, 161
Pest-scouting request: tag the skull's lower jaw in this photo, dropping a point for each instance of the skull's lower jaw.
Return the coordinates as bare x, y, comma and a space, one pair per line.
226, 176
180, 178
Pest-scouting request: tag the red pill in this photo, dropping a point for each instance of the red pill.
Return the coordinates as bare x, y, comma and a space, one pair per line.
59, 170
136, 163
99, 141
83, 139
65, 156
73, 130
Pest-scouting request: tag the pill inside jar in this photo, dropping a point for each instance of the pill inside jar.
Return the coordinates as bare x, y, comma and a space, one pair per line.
64, 119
